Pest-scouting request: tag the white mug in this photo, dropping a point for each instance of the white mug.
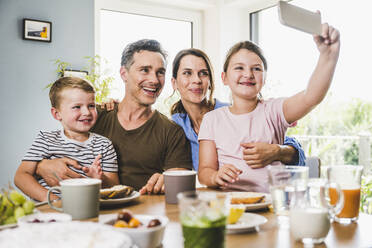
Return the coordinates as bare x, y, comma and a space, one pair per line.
80, 197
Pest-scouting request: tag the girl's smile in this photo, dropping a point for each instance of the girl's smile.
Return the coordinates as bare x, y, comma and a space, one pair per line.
245, 75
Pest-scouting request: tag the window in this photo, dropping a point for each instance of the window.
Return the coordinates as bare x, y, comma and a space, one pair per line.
336, 130
120, 25
292, 54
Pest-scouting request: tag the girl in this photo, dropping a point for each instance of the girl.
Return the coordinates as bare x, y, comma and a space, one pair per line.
252, 119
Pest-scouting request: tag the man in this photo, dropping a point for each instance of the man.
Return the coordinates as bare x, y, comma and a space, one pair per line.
146, 142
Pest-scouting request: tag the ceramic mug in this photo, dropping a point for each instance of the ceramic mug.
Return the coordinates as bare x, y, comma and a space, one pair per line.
80, 197
177, 181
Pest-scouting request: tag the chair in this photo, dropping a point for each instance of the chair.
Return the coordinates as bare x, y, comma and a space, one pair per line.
314, 166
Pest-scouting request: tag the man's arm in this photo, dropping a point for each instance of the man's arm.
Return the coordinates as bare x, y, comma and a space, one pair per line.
47, 167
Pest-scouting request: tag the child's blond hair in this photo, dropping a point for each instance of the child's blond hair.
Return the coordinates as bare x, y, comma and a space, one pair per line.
67, 83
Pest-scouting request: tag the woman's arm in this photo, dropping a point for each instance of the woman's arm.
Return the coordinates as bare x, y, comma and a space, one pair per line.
209, 172
26, 182
299, 105
299, 158
258, 155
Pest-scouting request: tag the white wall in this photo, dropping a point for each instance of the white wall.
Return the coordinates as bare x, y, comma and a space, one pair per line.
218, 24
26, 67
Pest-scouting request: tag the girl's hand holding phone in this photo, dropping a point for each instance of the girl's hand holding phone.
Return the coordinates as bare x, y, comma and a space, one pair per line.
328, 42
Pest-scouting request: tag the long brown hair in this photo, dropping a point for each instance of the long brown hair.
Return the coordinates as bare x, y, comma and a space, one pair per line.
178, 106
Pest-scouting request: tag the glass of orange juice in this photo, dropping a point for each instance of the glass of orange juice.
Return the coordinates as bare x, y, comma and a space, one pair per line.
349, 178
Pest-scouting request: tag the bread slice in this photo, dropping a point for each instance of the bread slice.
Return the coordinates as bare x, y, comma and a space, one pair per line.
247, 197
117, 191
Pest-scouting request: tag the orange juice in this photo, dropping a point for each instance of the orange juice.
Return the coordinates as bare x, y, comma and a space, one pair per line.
351, 202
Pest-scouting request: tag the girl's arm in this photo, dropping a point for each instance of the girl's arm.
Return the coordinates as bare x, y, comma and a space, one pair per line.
208, 173
299, 105
26, 182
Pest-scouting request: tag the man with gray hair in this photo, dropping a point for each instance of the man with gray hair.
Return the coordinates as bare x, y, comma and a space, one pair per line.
147, 143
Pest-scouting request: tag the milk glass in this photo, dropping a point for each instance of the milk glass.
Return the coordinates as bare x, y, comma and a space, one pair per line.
203, 217
311, 212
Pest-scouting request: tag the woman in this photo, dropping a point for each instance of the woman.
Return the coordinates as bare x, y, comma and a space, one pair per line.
192, 77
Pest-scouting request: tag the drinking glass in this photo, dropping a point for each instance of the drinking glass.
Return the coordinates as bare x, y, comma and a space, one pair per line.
203, 217
311, 212
282, 179
349, 178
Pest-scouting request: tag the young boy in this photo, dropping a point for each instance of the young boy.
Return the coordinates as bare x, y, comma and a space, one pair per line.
73, 104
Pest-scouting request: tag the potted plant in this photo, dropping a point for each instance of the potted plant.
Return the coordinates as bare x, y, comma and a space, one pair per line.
100, 78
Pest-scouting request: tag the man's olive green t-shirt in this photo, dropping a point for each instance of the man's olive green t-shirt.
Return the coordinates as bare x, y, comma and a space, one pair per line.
154, 147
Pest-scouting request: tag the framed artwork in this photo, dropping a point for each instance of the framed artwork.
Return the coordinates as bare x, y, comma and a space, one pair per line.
74, 73
37, 30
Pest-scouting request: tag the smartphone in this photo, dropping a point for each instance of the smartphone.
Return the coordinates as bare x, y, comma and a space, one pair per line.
299, 18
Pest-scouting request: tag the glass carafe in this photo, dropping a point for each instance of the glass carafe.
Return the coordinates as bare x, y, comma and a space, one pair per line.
311, 213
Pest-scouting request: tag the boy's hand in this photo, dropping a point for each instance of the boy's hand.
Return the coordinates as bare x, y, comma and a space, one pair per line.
95, 170
46, 167
228, 173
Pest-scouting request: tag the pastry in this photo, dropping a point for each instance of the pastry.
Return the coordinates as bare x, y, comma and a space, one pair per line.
247, 197
117, 191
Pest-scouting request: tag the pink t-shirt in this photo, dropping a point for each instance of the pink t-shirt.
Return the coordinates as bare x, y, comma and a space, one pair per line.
266, 123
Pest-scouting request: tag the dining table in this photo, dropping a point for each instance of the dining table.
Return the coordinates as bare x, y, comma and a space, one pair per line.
273, 233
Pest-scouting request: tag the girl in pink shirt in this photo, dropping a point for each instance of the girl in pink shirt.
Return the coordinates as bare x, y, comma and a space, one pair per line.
252, 119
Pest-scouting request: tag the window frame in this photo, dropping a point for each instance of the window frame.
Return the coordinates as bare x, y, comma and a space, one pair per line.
141, 7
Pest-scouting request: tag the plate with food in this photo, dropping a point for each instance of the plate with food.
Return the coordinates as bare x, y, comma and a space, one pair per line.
247, 222
118, 194
146, 231
38, 218
251, 200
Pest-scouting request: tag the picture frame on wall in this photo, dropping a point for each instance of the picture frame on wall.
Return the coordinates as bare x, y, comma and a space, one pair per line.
37, 30
74, 73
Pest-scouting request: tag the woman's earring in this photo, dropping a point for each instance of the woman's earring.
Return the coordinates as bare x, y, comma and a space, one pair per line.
260, 96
